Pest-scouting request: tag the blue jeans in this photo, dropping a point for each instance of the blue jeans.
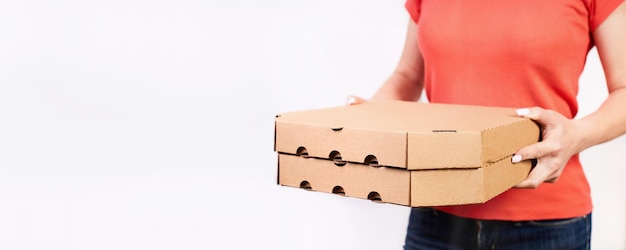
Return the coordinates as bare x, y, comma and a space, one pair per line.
433, 229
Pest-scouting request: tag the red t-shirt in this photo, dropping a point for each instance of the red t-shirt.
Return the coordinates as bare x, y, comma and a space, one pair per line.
518, 53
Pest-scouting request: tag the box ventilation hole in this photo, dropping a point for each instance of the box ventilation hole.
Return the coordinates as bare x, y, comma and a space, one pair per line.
302, 151
372, 161
374, 196
305, 185
335, 156
337, 129
338, 190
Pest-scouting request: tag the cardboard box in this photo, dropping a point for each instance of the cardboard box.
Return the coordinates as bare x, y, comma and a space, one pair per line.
399, 186
404, 152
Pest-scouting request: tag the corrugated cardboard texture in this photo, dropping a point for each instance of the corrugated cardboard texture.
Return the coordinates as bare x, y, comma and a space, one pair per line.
356, 180
415, 188
407, 134
443, 187
443, 150
353, 143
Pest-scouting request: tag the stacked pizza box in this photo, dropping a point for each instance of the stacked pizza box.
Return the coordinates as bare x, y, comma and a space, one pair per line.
406, 153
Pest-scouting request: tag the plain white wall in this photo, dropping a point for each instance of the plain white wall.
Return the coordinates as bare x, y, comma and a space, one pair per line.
149, 124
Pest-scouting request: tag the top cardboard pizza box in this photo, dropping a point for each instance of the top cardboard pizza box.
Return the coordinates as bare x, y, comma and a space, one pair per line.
410, 135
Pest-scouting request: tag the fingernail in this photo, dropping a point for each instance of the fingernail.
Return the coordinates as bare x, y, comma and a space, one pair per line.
523, 112
350, 100
516, 158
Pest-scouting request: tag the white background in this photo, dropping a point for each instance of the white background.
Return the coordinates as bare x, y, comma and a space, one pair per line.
149, 124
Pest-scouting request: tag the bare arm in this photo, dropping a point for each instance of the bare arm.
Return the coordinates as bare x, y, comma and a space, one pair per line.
609, 121
564, 137
407, 80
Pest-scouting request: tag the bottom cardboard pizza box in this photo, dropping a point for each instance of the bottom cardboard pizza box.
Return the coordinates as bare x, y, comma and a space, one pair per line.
415, 188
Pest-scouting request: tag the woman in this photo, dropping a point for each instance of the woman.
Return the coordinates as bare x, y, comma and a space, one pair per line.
518, 53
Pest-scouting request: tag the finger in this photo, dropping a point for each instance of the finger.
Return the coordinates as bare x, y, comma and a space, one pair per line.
532, 183
537, 150
354, 100
543, 116
537, 176
544, 172
552, 179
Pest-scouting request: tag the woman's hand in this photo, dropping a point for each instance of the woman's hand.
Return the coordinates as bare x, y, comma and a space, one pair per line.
561, 137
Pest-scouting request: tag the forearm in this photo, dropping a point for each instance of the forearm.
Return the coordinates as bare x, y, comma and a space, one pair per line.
407, 80
609, 121
606, 123
400, 86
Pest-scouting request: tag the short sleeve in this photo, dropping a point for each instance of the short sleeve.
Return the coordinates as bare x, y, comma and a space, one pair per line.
413, 7
599, 10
